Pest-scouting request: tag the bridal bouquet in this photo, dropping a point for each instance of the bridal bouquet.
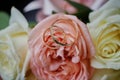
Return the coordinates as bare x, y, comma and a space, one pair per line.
75, 45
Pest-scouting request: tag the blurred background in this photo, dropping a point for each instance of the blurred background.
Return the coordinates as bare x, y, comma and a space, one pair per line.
37, 10
5, 5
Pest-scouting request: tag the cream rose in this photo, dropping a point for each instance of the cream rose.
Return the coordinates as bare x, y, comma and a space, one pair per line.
13, 47
104, 27
61, 49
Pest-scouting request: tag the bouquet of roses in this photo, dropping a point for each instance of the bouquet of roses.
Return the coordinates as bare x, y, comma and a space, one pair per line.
63, 46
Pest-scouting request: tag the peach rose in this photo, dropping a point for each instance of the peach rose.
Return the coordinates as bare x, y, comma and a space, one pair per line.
61, 49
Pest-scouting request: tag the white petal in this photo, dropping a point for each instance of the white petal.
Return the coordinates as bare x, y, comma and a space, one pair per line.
17, 17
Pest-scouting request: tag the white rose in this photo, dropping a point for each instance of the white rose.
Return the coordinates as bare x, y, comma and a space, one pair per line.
13, 47
104, 27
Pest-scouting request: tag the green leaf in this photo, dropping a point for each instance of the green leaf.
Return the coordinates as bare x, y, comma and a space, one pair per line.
54, 12
32, 24
4, 20
78, 6
82, 16
83, 11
